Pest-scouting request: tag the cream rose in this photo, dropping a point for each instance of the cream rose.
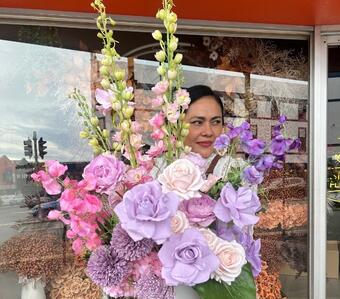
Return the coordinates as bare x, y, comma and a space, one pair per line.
179, 223
210, 237
183, 178
232, 258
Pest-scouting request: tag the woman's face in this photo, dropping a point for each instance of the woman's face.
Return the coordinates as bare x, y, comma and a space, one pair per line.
205, 119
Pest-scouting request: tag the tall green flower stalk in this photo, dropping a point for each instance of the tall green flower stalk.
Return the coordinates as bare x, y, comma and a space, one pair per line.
170, 70
113, 81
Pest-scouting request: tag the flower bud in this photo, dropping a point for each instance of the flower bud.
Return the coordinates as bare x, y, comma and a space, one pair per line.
127, 95
93, 142
103, 70
116, 105
100, 35
172, 17
179, 144
125, 125
105, 83
94, 121
172, 74
172, 27
187, 149
186, 125
160, 56
97, 150
178, 58
119, 74
184, 132
107, 61
157, 35
173, 44
112, 22
161, 14
128, 111
106, 133
161, 70
83, 134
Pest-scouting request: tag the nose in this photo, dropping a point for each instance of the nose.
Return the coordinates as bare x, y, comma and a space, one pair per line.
207, 131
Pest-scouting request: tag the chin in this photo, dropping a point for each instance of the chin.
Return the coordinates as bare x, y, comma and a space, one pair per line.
205, 154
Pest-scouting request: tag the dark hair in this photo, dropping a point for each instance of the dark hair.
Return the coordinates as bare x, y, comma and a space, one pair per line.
198, 91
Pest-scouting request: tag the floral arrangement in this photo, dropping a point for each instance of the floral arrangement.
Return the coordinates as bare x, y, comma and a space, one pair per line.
143, 234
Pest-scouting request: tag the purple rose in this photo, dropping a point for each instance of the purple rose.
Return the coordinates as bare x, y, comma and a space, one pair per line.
199, 210
186, 259
103, 173
254, 147
238, 206
252, 175
146, 212
222, 142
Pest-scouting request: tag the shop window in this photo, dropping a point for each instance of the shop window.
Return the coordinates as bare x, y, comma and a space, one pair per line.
258, 80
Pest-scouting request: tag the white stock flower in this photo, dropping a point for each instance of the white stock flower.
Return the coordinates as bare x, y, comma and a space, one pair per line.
179, 223
232, 258
183, 178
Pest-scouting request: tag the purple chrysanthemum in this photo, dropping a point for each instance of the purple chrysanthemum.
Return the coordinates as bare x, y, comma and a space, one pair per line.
105, 268
153, 287
127, 248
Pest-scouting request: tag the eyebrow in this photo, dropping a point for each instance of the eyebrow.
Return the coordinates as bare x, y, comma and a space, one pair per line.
204, 118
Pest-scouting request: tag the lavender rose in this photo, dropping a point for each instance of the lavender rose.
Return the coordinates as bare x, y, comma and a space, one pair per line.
186, 259
238, 206
146, 212
103, 173
199, 210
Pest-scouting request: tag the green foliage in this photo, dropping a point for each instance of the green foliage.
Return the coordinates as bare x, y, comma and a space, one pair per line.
234, 177
107, 227
242, 288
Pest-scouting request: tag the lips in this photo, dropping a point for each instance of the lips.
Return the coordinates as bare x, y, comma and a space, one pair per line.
205, 143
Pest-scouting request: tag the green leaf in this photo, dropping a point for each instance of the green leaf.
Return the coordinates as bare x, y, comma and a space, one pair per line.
242, 288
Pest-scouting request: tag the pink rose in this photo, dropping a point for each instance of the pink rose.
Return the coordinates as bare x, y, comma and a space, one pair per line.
232, 258
106, 171
199, 210
183, 178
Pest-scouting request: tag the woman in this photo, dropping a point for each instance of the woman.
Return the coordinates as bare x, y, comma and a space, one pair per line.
206, 118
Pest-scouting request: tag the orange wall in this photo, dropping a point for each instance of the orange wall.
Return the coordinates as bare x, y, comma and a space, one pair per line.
297, 12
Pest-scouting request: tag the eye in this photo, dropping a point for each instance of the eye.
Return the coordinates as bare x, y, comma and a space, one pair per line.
216, 122
196, 122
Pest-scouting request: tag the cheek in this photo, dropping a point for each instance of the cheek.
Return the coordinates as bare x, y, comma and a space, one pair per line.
217, 130
192, 136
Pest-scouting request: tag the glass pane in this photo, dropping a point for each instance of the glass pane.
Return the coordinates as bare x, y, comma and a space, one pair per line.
333, 170
35, 80
258, 79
